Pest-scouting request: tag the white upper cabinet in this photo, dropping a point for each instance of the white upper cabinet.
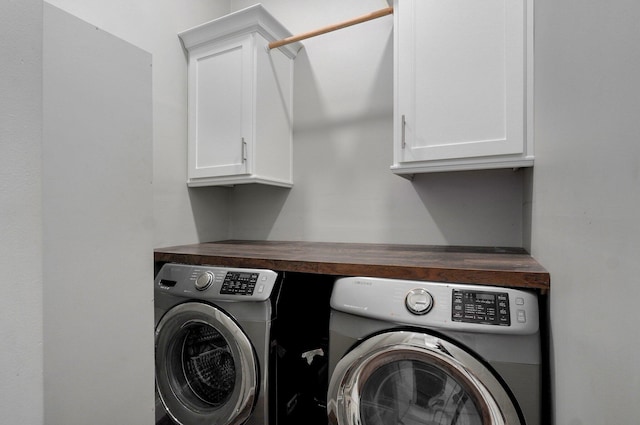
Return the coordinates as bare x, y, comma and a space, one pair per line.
463, 85
240, 101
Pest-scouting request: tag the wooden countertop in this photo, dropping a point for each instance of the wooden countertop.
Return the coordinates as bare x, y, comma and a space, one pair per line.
512, 267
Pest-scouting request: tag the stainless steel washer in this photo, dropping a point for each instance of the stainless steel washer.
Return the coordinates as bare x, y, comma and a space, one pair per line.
409, 352
212, 345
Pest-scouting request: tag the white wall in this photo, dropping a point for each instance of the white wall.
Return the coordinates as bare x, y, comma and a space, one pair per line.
342, 150
585, 203
21, 394
181, 215
98, 226
153, 26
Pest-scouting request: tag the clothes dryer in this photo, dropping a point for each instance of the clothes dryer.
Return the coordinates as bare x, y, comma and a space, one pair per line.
213, 343
412, 352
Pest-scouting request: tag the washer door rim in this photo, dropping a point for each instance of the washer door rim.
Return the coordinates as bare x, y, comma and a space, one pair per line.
352, 371
242, 401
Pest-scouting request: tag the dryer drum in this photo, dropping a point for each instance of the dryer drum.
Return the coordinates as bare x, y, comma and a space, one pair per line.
421, 391
413, 378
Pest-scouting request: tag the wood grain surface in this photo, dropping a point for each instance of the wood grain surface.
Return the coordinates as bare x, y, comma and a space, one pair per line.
512, 267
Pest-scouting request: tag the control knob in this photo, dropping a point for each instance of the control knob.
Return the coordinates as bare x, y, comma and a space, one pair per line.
204, 280
419, 301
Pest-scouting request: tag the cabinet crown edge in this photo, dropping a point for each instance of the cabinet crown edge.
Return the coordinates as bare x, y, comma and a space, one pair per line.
251, 19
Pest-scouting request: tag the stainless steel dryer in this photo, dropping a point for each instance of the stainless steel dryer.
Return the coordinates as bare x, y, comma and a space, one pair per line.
409, 352
212, 345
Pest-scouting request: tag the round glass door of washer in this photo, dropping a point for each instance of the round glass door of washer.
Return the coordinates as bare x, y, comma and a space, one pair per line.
206, 370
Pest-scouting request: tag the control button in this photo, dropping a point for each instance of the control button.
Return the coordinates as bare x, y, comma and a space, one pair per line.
419, 301
521, 316
204, 280
519, 301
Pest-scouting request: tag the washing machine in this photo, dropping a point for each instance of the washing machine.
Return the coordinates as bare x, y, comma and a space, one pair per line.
414, 352
213, 345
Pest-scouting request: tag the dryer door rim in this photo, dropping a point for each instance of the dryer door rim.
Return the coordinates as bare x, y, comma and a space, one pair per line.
169, 341
492, 400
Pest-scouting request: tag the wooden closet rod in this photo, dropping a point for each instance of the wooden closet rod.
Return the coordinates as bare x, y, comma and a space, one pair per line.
368, 17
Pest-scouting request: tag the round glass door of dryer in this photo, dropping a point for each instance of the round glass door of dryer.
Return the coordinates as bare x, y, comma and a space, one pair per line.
413, 392
206, 371
416, 379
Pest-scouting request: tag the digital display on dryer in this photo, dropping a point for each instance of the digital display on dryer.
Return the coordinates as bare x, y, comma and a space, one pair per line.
485, 297
239, 283
489, 308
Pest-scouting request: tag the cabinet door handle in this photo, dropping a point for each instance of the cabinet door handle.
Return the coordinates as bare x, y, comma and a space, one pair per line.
244, 150
404, 126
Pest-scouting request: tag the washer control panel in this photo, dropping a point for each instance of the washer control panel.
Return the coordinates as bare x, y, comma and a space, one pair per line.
487, 307
240, 283
216, 283
204, 280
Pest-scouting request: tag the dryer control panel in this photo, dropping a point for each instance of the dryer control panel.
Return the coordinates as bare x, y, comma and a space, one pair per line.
216, 283
487, 307
446, 306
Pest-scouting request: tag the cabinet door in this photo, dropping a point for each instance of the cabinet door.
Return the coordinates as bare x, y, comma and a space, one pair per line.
460, 79
220, 118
